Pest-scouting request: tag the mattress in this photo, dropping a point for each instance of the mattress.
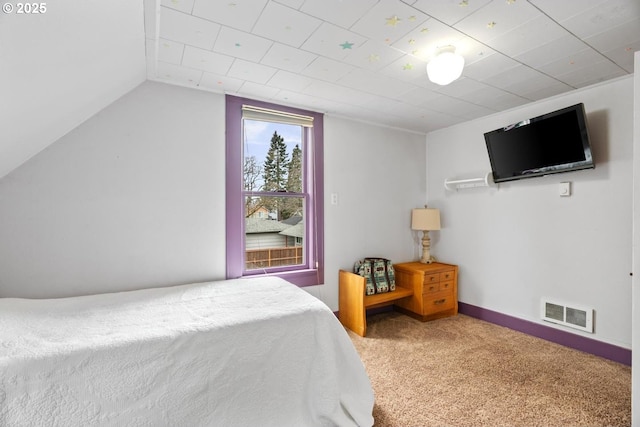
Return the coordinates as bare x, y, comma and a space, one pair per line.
241, 352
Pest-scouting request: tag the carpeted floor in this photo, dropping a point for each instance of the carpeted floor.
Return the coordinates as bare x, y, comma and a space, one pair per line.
460, 371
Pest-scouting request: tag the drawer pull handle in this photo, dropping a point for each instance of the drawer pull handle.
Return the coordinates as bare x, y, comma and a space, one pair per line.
439, 301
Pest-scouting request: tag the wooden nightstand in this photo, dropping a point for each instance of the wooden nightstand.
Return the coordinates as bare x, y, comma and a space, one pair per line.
435, 289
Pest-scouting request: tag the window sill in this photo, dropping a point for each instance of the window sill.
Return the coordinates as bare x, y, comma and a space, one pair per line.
300, 278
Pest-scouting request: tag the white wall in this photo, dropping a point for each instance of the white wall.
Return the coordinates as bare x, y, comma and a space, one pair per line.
635, 372
131, 198
61, 67
134, 197
378, 175
521, 242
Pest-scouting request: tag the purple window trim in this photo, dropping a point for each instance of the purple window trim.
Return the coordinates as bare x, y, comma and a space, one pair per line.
234, 202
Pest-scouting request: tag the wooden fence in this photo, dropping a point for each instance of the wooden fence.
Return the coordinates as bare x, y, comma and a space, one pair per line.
273, 257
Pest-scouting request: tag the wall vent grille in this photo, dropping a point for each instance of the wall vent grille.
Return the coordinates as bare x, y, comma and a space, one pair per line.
568, 315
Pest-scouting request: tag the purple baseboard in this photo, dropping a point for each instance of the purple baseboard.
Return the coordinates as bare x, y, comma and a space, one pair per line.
578, 342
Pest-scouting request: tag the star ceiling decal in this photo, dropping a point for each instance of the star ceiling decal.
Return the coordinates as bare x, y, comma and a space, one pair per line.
491, 24
511, 1
374, 58
407, 66
464, 3
412, 41
412, 18
393, 21
424, 30
346, 45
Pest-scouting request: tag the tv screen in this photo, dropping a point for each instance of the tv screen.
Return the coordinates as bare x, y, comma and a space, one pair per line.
551, 143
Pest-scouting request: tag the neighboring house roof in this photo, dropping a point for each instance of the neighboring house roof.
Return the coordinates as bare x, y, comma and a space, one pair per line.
294, 230
263, 225
293, 220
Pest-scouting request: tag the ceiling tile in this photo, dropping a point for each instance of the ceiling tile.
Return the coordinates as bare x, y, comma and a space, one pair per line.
257, 91
251, 71
487, 66
297, 99
241, 45
187, 29
170, 51
373, 55
594, 73
389, 21
572, 63
287, 58
289, 81
512, 77
624, 57
285, 25
546, 90
459, 107
177, 74
370, 82
491, 97
525, 82
556, 50
220, 83
496, 19
239, 14
206, 60
461, 87
603, 17
326, 69
425, 40
338, 93
333, 42
407, 68
338, 12
616, 37
565, 9
531, 34
294, 4
185, 6
449, 11
421, 97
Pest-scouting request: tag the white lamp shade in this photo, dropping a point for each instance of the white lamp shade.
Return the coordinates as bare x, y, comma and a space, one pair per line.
425, 219
445, 67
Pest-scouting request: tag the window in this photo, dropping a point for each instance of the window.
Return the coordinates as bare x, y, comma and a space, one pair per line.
274, 191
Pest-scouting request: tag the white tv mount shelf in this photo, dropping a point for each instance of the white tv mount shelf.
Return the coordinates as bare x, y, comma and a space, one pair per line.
458, 184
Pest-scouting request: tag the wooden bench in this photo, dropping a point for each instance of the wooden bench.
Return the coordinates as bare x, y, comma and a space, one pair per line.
353, 303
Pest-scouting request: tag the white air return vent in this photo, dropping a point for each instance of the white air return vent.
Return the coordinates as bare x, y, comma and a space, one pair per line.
568, 315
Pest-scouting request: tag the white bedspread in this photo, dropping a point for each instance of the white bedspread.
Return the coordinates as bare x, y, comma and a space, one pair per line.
244, 352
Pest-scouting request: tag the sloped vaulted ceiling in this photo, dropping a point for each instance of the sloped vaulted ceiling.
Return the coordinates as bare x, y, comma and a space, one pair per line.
61, 66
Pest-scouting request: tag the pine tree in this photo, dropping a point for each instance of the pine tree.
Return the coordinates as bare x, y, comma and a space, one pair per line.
293, 205
275, 172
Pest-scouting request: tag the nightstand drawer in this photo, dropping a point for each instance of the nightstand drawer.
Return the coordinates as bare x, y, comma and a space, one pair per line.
431, 278
446, 286
430, 288
436, 303
447, 275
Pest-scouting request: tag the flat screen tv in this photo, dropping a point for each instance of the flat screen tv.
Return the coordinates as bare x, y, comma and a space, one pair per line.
552, 143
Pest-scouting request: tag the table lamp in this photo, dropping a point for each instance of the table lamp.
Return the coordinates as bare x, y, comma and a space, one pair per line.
425, 220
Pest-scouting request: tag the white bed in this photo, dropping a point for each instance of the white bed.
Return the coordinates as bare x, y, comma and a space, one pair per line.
243, 352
